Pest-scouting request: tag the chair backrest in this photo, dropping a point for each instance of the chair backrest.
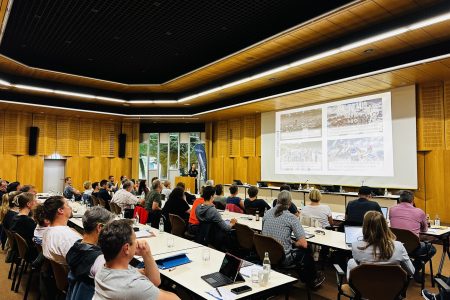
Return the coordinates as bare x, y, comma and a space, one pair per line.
101, 202
265, 244
305, 220
178, 225
115, 209
244, 235
95, 201
378, 281
204, 230
22, 245
143, 214
219, 205
11, 239
234, 208
408, 238
60, 272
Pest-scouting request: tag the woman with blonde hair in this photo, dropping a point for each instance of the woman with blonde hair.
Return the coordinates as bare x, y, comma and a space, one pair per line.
316, 210
378, 245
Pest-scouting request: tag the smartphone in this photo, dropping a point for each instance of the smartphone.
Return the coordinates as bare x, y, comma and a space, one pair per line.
241, 289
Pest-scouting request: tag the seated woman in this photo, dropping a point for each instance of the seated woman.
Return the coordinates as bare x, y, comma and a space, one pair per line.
378, 245
176, 205
234, 199
22, 224
220, 201
42, 223
318, 211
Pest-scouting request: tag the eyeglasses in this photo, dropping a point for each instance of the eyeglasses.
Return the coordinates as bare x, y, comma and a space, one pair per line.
320, 232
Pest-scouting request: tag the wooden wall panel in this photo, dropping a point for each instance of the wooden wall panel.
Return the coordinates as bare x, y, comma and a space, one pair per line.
86, 137
253, 170
109, 136
221, 138
74, 137
8, 167
240, 168
96, 140
430, 122
447, 113
77, 167
234, 137
135, 152
62, 136
258, 135
16, 128
50, 135
248, 137
98, 168
30, 170
127, 128
2, 128
420, 194
228, 170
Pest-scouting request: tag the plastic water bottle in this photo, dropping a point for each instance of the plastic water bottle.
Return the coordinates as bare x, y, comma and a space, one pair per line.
161, 225
266, 268
437, 221
136, 219
257, 215
386, 192
143, 195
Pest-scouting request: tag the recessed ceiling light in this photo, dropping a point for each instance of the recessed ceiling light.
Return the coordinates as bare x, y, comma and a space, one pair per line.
273, 79
126, 104
41, 112
187, 104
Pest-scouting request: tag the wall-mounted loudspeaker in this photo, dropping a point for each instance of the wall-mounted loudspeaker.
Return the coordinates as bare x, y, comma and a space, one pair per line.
122, 144
33, 140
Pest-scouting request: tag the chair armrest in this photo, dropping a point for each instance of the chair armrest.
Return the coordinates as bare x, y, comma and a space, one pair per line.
339, 276
443, 287
332, 227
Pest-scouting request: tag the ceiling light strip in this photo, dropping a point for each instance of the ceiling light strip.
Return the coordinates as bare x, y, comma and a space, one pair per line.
329, 83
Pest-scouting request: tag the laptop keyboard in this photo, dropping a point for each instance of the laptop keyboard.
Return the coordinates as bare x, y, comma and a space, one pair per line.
220, 279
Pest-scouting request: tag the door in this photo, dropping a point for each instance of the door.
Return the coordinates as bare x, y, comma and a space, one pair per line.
54, 170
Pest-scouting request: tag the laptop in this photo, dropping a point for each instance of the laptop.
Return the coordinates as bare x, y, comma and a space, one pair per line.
385, 210
229, 272
237, 182
353, 234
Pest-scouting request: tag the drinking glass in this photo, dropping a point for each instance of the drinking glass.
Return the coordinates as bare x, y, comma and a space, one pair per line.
205, 254
255, 276
170, 242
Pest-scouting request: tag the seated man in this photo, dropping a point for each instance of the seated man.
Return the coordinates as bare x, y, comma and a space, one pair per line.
104, 194
405, 216
356, 209
233, 198
206, 212
85, 257
293, 208
58, 238
69, 191
124, 198
166, 189
281, 225
117, 279
253, 202
194, 223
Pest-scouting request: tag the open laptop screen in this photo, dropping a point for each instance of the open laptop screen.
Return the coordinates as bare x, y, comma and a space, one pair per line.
230, 266
353, 234
384, 210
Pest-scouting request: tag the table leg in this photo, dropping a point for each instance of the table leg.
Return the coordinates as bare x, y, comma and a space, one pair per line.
445, 250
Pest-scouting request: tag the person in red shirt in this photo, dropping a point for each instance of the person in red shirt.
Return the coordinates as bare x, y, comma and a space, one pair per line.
207, 194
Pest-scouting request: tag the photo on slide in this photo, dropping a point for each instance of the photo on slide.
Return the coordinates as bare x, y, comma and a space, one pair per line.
301, 124
298, 156
366, 153
361, 117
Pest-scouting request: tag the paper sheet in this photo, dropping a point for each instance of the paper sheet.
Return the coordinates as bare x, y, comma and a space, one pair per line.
144, 234
224, 291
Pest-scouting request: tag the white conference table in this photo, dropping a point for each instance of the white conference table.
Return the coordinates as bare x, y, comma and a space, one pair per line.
189, 276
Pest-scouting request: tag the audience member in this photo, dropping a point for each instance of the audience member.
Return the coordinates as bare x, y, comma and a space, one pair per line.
124, 198
233, 198
42, 223
378, 245
166, 189
123, 178
189, 197
12, 211
282, 225
85, 257
29, 189
253, 203
3, 185
207, 193
58, 238
153, 199
176, 205
95, 189
318, 211
22, 224
220, 199
117, 279
356, 209
69, 191
143, 187
135, 186
13, 187
405, 216
293, 208
104, 194
87, 191
153, 179
112, 185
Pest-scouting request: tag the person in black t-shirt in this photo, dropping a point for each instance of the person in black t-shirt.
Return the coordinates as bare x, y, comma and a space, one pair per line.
189, 197
253, 203
355, 211
22, 224
292, 208
176, 205
103, 193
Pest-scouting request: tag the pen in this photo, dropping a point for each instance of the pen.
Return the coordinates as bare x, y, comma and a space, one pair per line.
217, 289
171, 269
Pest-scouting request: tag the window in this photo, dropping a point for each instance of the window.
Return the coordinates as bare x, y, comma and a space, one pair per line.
143, 159
163, 154
173, 151
194, 139
184, 157
153, 151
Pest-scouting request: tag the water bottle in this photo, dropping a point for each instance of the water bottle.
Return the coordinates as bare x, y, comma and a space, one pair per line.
161, 225
136, 219
266, 268
428, 220
257, 215
386, 192
143, 195
437, 221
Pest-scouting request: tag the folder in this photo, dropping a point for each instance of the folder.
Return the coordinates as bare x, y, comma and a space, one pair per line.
173, 261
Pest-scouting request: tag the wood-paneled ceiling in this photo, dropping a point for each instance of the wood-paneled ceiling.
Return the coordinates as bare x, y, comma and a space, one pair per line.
313, 32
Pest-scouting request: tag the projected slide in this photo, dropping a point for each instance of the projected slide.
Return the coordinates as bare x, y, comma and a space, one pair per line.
349, 137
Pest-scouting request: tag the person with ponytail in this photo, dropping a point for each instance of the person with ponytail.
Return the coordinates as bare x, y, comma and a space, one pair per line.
22, 224
378, 245
281, 225
42, 223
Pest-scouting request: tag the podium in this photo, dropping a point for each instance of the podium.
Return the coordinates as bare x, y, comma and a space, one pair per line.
189, 182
